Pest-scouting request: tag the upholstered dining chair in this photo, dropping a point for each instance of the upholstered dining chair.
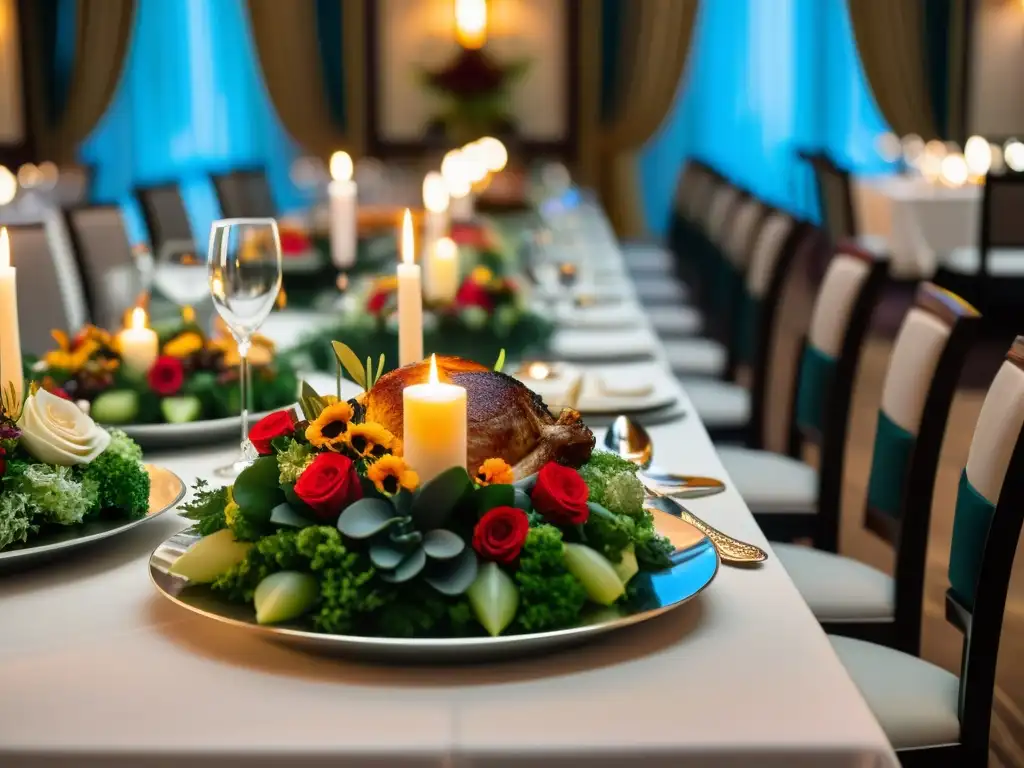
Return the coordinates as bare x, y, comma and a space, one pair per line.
932, 717
244, 193
163, 210
991, 272
50, 291
110, 274
732, 412
785, 493
850, 597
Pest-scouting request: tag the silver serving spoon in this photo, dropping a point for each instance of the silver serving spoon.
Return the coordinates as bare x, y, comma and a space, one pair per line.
632, 442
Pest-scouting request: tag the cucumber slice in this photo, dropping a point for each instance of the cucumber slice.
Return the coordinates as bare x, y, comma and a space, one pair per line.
211, 556
180, 410
595, 573
117, 406
628, 567
284, 595
494, 598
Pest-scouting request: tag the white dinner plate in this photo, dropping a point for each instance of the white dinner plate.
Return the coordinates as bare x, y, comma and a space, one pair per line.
574, 346
629, 389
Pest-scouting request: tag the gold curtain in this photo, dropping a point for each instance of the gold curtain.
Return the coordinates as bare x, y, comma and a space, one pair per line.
285, 34
653, 45
890, 38
102, 35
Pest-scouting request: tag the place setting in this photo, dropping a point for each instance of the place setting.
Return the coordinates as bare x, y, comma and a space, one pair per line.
446, 535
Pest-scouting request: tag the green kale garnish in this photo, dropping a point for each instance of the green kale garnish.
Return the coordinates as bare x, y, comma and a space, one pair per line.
120, 478
613, 483
549, 596
652, 549
206, 508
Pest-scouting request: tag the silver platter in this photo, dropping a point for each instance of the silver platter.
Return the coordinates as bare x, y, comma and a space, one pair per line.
166, 490
695, 565
189, 434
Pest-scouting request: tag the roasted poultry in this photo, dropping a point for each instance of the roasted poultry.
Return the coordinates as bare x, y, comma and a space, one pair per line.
505, 419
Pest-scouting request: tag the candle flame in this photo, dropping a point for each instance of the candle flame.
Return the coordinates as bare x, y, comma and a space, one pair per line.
408, 242
445, 248
341, 166
471, 23
138, 318
5, 248
433, 370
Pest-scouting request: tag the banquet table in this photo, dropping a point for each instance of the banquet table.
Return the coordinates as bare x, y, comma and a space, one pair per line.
97, 669
919, 221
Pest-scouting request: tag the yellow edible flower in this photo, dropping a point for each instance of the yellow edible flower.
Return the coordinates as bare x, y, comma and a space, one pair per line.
390, 474
369, 439
481, 275
329, 428
494, 472
183, 345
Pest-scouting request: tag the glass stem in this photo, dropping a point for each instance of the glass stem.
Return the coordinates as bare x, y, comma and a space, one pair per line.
244, 387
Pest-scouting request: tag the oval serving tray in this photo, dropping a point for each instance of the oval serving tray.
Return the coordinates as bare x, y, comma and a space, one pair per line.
695, 564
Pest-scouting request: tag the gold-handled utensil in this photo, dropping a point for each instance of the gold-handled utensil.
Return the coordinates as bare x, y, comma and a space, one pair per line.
632, 442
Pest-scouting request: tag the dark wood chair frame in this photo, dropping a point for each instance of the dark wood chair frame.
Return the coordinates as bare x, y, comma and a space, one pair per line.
908, 534
823, 525
982, 628
78, 250
149, 215
239, 173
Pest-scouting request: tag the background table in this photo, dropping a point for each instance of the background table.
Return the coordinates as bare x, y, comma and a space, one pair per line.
920, 221
95, 665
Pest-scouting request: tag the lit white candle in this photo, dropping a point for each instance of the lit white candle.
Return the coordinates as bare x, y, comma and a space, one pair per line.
456, 172
10, 338
410, 299
443, 271
341, 193
435, 201
434, 426
138, 344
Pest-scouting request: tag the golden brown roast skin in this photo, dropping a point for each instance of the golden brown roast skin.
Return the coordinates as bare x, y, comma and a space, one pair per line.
505, 419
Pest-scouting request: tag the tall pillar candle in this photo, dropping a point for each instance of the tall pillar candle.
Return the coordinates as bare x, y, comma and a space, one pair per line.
434, 426
138, 345
443, 272
11, 375
410, 299
342, 197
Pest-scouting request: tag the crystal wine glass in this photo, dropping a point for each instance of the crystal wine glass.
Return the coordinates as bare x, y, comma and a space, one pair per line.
245, 279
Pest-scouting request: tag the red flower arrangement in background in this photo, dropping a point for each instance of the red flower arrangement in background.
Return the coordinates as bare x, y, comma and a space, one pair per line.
294, 242
166, 376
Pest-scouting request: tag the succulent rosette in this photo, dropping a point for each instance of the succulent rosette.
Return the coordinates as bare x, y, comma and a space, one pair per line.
331, 530
193, 378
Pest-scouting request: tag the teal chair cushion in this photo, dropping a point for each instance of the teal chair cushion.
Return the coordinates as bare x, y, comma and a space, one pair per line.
889, 464
816, 372
970, 529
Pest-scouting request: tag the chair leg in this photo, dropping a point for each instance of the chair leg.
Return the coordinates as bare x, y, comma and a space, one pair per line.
787, 526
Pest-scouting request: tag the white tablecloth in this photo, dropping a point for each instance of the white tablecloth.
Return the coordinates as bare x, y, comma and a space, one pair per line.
95, 664
920, 221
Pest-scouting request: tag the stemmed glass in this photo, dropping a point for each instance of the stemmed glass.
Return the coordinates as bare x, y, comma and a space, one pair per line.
245, 279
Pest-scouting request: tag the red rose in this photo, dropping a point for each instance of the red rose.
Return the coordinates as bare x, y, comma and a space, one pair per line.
277, 424
166, 376
472, 294
500, 533
328, 485
3, 462
561, 495
294, 242
467, 234
377, 302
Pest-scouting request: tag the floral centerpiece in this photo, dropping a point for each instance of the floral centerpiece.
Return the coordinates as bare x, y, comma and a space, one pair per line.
58, 468
488, 313
331, 530
193, 377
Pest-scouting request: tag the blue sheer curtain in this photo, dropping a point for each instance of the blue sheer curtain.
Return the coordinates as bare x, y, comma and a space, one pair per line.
191, 102
764, 80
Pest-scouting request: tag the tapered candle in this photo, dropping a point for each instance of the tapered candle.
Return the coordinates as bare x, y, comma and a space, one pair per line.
443, 277
434, 426
341, 193
138, 344
11, 375
410, 299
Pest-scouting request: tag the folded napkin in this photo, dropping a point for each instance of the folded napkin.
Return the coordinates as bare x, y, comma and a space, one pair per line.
588, 392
